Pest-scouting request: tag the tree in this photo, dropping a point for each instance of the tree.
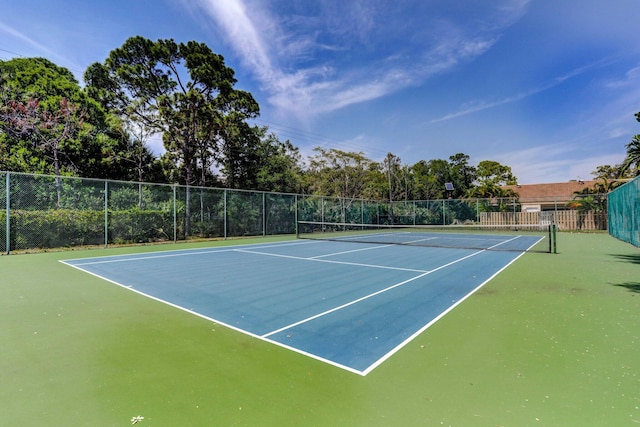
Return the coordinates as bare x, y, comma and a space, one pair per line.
338, 173
429, 179
137, 153
41, 102
396, 178
633, 155
49, 130
592, 200
237, 153
462, 174
185, 92
608, 178
490, 171
347, 175
279, 166
607, 172
632, 160
491, 177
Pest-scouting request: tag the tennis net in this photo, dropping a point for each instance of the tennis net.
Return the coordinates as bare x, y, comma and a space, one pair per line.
519, 238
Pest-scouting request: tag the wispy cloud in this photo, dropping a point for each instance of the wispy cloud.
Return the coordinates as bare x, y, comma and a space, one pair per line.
555, 162
631, 77
276, 48
477, 106
12, 32
232, 16
39, 49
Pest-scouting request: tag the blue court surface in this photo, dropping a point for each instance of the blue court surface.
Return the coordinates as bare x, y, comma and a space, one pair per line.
352, 305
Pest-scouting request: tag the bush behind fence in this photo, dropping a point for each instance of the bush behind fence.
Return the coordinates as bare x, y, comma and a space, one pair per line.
40, 211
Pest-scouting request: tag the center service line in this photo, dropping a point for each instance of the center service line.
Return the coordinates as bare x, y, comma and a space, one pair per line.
324, 313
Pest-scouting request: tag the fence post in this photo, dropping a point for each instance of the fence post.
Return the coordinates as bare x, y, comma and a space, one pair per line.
296, 214
106, 213
175, 215
264, 214
8, 235
444, 212
415, 211
224, 214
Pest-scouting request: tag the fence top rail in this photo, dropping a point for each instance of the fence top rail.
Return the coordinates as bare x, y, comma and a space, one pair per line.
515, 200
115, 181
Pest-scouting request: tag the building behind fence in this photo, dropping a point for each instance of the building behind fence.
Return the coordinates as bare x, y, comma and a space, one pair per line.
42, 211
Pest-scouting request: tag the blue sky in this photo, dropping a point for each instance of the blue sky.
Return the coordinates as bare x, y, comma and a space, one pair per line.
548, 87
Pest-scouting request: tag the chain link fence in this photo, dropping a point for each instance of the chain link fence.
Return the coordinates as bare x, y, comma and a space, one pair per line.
4, 214
42, 211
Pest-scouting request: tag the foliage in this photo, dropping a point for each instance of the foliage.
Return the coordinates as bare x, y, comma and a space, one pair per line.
279, 165
70, 227
629, 168
48, 124
632, 160
491, 177
184, 91
338, 173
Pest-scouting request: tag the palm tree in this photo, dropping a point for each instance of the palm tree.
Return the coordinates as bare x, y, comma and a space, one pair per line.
591, 200
633, 155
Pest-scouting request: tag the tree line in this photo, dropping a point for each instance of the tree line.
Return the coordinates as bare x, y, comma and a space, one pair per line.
187, 95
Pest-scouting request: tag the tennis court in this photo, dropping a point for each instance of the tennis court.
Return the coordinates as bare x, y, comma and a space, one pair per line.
350, 304
551, 340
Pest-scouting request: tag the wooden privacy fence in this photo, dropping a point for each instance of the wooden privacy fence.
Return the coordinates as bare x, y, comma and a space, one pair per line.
564, 220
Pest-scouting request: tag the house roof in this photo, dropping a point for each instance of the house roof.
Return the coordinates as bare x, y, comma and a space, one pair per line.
556, 191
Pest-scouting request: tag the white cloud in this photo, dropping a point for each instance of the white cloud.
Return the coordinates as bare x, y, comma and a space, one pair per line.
12, 32
232, 16
271, 46
36, 48
631, 77
555, 163
474, 107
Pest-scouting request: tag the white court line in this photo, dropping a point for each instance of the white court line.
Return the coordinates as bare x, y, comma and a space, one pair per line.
347, 252
502, 243
174, 253
330, 261
434, 320
422, 240
265, 337
324, 313
216, 321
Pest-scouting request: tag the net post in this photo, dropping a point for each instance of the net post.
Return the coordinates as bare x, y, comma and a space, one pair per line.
553, 234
